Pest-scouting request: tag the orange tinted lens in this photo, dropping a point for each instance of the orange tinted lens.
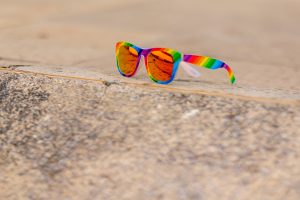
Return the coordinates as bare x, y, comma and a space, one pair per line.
160, 65
127, 58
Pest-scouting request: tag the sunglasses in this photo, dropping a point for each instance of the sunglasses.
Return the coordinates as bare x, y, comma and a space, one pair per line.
162, 63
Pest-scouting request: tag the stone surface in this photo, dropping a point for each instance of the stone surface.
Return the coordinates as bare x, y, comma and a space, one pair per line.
72, 128
75, 139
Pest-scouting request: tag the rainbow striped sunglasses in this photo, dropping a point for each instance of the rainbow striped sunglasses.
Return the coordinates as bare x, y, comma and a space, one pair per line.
162, 63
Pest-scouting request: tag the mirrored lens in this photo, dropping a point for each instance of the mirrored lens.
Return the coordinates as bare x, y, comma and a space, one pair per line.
160, 65
127, 58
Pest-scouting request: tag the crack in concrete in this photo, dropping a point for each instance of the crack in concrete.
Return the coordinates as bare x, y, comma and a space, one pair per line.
109, 83
13, 67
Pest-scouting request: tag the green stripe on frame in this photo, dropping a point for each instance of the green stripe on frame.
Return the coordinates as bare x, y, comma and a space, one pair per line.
209, 63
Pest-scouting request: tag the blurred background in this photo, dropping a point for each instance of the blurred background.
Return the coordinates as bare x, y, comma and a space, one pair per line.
260, 39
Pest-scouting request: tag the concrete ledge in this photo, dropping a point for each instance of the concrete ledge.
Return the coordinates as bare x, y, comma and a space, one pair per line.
247, 93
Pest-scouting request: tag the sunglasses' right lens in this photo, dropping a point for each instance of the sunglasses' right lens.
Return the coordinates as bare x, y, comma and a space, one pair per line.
127, 60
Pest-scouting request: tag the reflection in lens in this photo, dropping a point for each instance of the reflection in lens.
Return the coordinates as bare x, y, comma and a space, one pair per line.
127, 59
160, 65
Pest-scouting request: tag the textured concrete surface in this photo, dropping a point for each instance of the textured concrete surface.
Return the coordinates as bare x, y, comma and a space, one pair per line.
72, 128
74, 139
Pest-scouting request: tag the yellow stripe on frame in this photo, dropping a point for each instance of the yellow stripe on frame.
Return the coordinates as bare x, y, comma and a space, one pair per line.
204, 61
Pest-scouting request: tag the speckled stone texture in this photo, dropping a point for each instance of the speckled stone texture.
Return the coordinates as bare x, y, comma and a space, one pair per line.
73, 139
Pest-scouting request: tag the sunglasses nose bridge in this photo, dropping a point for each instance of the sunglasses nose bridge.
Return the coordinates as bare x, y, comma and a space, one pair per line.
145, 52
143, 56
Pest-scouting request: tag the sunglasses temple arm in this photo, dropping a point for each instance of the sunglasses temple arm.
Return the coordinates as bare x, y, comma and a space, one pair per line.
191, 71
209, 63
230, 73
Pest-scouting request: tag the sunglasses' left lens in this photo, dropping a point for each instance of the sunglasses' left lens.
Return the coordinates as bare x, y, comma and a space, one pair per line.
160, 65
127, 60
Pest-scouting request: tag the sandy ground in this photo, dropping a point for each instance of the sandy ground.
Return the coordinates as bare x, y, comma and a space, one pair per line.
72, 128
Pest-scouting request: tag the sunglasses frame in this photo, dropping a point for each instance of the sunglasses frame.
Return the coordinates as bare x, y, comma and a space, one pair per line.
178, 57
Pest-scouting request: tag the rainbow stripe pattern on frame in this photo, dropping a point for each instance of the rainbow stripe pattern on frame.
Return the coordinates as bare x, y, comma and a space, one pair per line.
161, 63
210, 63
